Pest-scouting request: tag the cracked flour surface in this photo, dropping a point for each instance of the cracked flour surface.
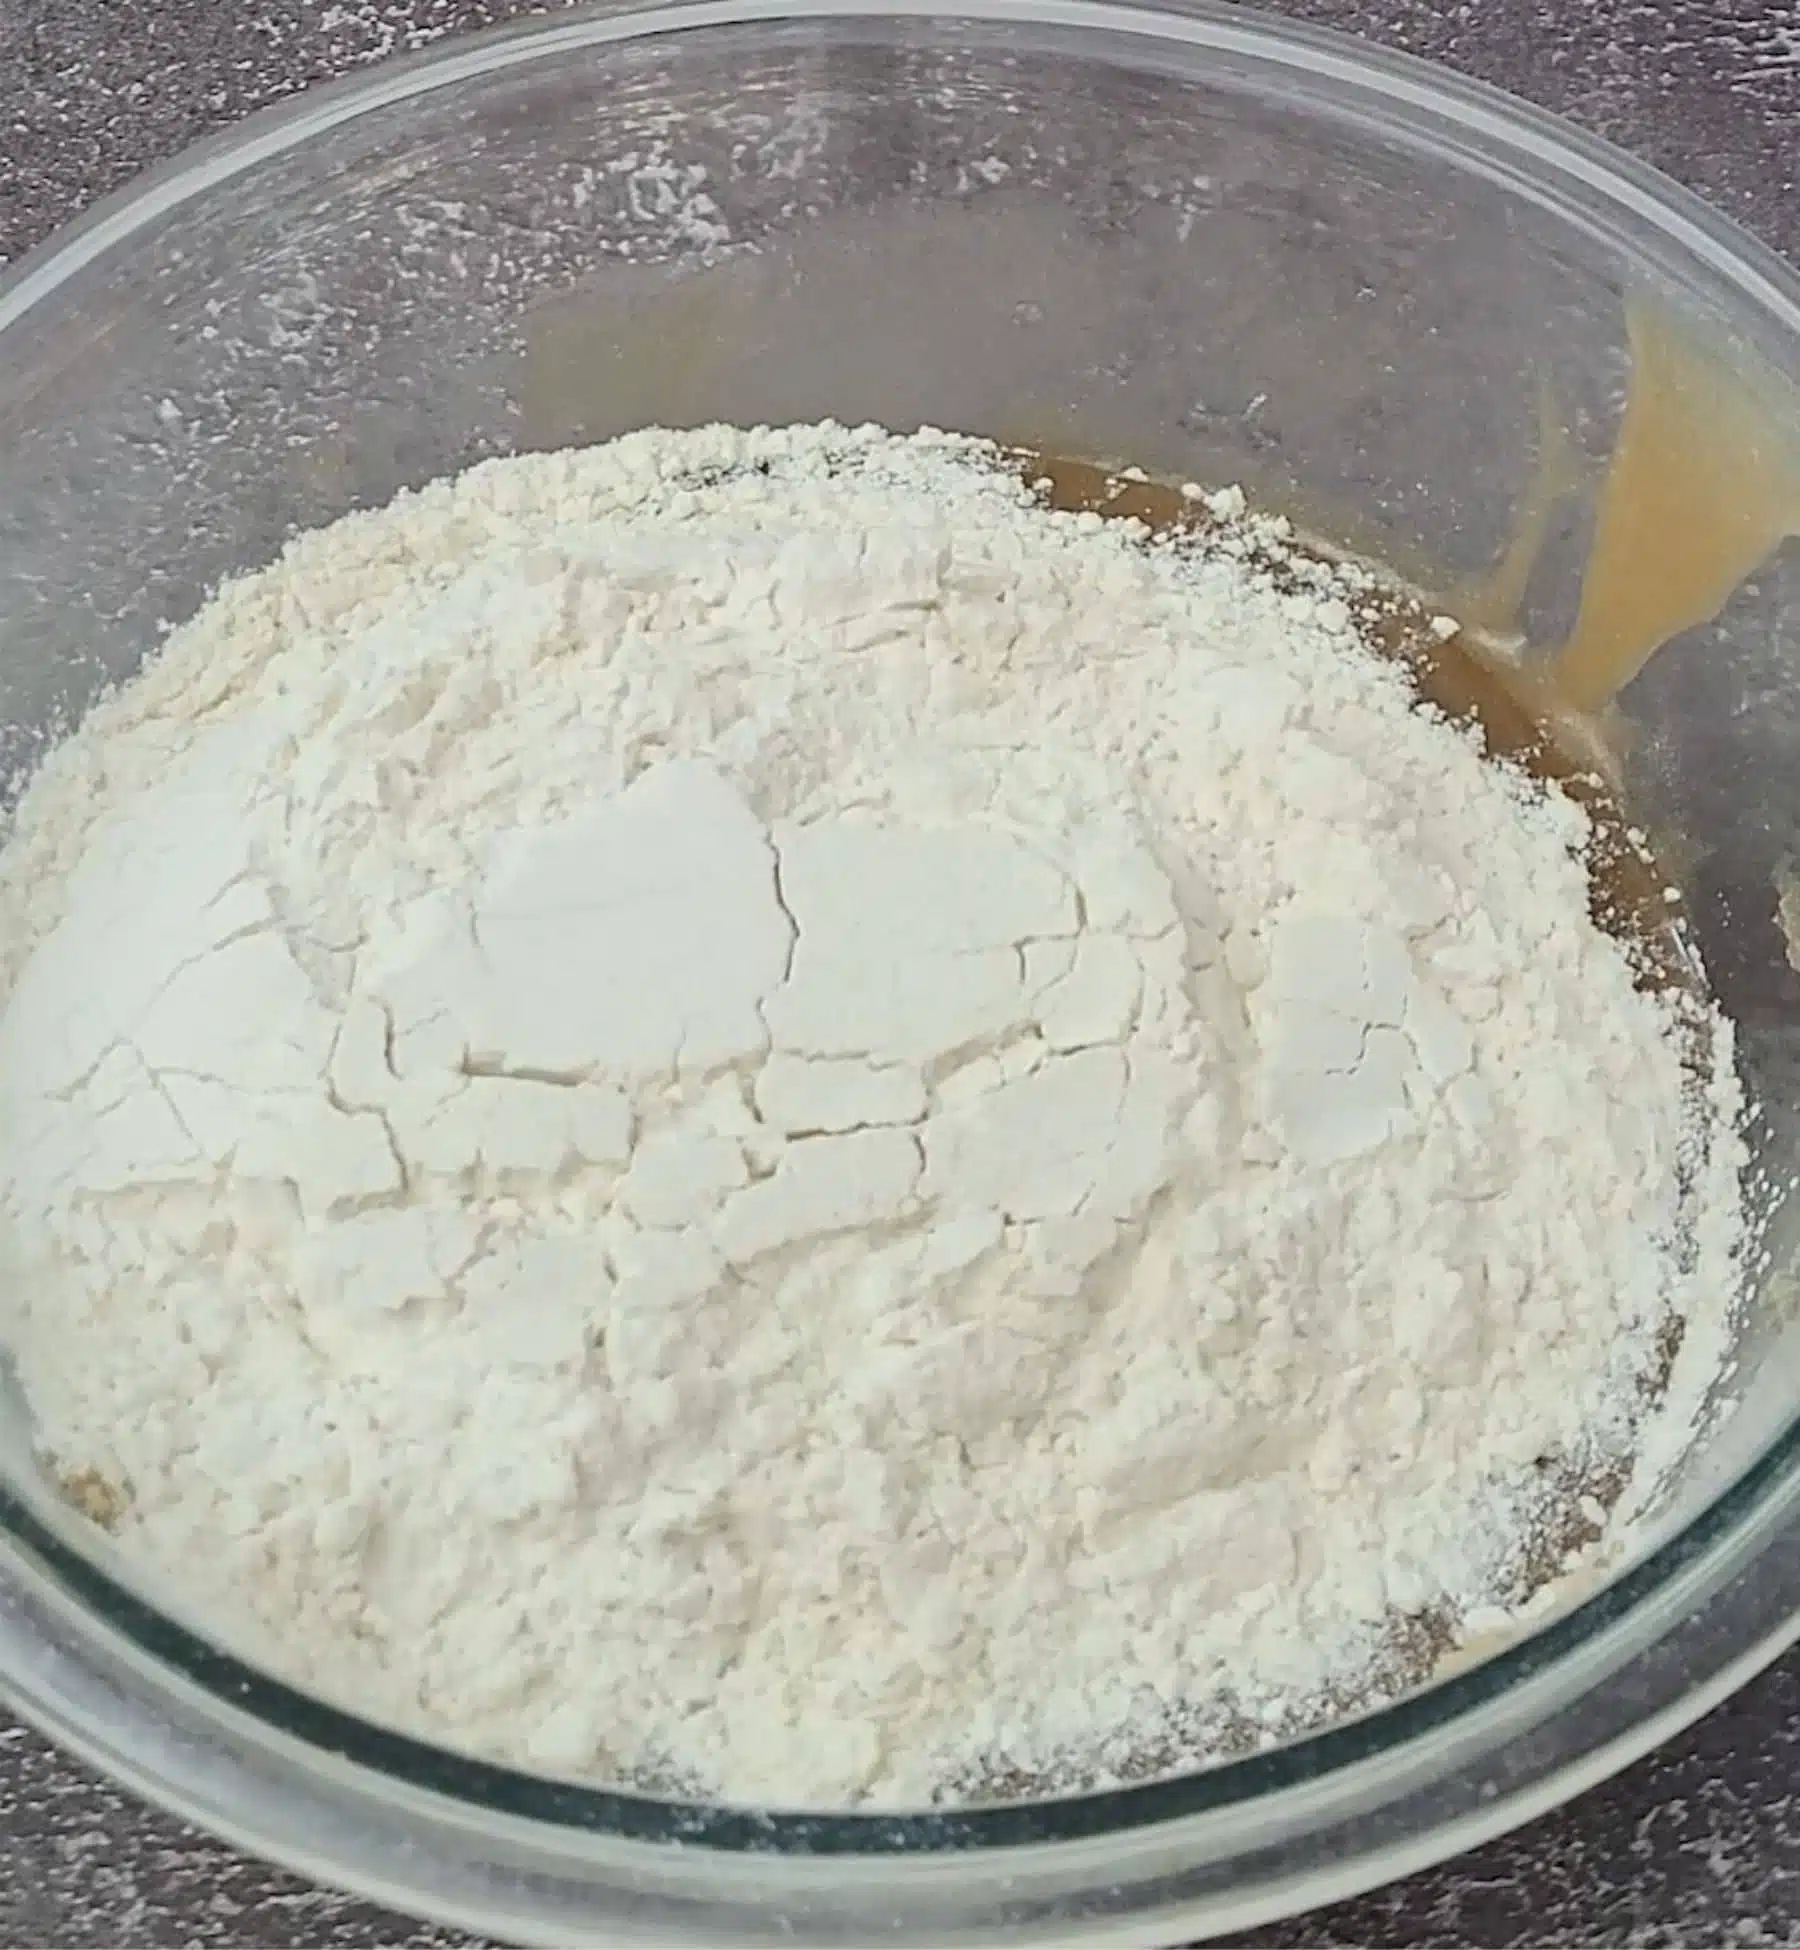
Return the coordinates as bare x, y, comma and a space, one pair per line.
738, 1110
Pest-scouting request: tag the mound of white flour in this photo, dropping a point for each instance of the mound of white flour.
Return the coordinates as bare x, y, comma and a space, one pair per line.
737, 1109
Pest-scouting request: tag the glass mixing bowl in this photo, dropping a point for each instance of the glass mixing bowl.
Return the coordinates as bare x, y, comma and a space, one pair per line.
1191, 238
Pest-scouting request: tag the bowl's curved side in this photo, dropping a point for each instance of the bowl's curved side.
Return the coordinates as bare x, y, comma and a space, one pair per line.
1616, 1693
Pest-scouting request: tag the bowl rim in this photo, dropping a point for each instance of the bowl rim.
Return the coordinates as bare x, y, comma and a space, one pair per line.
1456, 113
1434, 94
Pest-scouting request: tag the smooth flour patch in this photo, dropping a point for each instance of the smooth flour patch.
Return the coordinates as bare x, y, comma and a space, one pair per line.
736, 1109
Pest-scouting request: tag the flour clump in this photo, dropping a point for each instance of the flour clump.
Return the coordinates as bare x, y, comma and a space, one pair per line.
742, 1111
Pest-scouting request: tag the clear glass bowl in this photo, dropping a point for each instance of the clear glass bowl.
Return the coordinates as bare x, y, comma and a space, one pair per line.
1192, 238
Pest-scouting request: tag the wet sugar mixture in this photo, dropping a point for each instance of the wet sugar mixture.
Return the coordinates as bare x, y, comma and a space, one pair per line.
839, 1119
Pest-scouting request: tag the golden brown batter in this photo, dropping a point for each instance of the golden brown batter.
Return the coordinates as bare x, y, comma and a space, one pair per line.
1704, 481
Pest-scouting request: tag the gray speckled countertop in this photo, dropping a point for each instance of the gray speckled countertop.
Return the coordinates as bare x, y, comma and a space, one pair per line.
1699, 1846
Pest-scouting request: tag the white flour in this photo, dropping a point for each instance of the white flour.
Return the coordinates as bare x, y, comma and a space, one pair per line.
736, 1109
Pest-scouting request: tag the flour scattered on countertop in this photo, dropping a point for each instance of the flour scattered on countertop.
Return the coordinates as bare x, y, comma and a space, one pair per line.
737, 1109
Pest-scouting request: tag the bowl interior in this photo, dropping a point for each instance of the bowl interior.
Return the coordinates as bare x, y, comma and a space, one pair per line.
1071, 232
